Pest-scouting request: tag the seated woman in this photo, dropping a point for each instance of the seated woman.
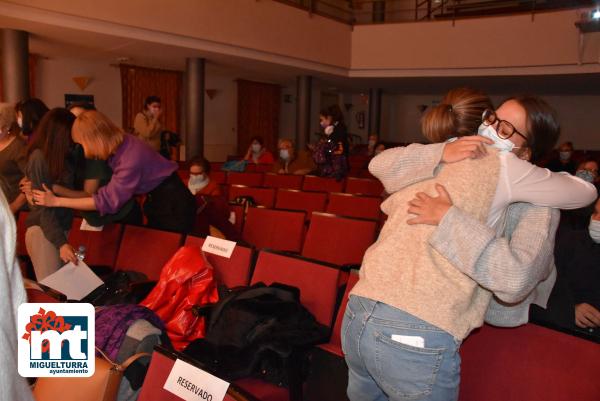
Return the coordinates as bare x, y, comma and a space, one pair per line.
12, 158
199, 182
257, 153
292, 162
136, 170
213, 208
50, 160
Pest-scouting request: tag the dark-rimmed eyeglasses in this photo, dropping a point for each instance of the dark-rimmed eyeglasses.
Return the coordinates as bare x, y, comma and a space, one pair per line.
504, 129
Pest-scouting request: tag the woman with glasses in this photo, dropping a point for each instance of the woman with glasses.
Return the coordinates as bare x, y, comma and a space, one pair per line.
423, 289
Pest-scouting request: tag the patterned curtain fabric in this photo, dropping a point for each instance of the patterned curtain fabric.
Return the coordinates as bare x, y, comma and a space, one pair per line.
32, 67
258, 114
137, 83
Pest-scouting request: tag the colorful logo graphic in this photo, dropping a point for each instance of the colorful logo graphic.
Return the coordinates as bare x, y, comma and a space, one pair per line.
56, 340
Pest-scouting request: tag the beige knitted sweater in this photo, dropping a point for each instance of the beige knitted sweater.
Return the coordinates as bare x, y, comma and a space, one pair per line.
402, 270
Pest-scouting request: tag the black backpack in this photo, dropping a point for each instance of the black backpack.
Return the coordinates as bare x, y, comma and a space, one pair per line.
259, 331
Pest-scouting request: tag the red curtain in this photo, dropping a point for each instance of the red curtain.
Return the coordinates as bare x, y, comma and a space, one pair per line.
258, 113
137, 83
32, 68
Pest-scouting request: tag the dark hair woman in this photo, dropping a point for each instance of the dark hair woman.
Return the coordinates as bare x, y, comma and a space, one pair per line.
147, 125
331, 153
29, 114
50, 161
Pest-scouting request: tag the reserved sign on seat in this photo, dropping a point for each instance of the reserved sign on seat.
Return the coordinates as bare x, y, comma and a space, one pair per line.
193, 384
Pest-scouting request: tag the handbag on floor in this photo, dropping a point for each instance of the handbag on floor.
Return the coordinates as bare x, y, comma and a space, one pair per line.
103, 385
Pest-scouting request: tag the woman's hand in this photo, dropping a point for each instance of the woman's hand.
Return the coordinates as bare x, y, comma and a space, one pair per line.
45, 197
67, 254
430, 210
466, 147
586, 316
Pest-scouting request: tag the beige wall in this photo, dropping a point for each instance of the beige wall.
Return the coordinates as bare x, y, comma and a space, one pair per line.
514, 41
54, 80
265, 26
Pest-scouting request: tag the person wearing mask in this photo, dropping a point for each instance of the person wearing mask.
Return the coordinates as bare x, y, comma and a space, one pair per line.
12, 158
565, 160
588, 171
199, 182
29, 114
371, 144
331, 153
14, 387
50, 160
425, 321
147, 125
136, 170
292, 162
213, 209
257, 153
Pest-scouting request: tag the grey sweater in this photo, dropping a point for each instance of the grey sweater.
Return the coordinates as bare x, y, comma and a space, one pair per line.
54, 222
515, 262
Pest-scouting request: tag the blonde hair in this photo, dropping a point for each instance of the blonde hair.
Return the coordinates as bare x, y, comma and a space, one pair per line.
7, 116
98, 135
458, 114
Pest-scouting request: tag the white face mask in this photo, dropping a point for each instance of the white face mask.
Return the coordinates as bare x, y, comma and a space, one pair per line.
504, 145
20, 122
564, 156
329, 130
284, 154
256, 147
371, 144
197, 183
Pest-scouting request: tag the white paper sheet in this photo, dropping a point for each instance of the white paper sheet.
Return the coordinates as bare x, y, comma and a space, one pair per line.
192, 384
74, 281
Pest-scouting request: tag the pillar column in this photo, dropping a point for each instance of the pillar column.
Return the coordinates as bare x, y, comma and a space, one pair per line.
15, 65
303, 97
375, 111
194, 107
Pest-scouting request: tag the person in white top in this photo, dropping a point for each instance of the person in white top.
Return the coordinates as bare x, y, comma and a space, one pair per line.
12, 386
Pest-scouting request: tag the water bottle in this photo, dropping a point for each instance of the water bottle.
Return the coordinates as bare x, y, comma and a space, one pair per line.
80, 252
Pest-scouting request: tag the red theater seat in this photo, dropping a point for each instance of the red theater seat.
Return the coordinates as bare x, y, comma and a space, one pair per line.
248, 179
338, 240
317, 282
281, 230
335, 342
530, 363
160, 367
101, 246
287, 181
300, 200
146, 250
220, 177
262, 196
232, 272
239, 211
365, 207
314, 183
21, 229
363, 186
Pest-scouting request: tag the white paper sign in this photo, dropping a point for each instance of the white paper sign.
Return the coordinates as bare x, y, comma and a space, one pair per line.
218, 246
85, 226
193, 384
74, 281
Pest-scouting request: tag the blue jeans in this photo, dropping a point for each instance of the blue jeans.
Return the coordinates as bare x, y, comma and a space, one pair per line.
382, 368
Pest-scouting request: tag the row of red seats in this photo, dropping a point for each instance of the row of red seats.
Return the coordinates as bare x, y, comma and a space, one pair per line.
352, 185
364, 207
526, 363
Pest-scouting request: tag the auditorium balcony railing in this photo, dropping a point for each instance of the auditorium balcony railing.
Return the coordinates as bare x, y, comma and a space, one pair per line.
361, 12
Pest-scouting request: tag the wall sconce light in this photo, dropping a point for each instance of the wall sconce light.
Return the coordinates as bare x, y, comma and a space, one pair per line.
211, 93
82, 82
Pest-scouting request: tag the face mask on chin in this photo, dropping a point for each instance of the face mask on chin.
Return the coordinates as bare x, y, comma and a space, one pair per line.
284, 154
564, 156
503, 145
586, 175
197, 183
